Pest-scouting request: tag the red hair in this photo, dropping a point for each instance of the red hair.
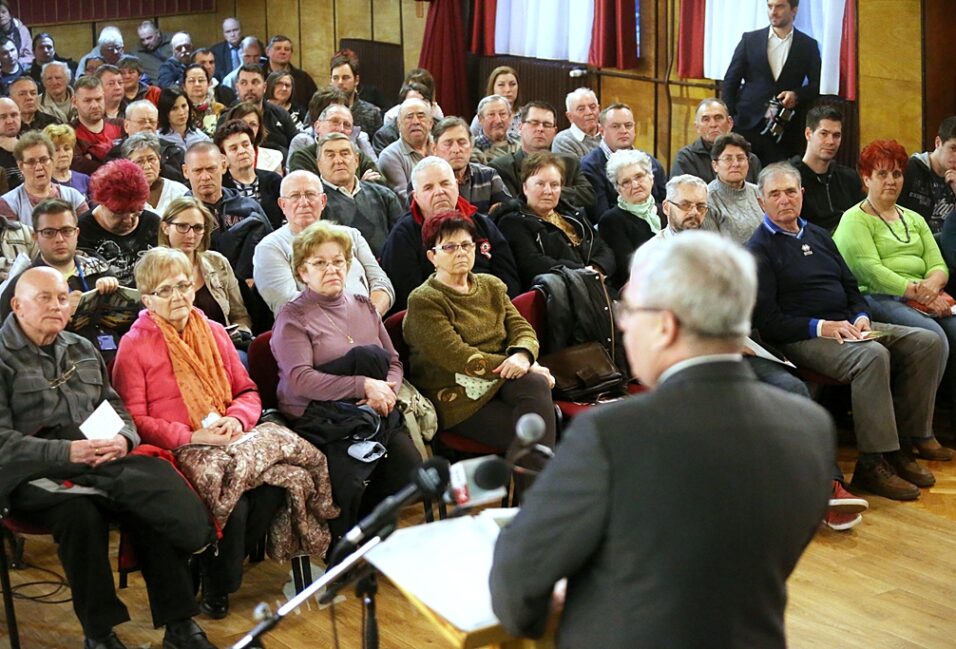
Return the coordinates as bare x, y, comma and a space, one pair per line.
121, 186
441, 225
881, 153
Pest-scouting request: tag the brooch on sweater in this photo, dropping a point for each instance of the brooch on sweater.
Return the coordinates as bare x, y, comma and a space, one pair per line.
806, 250
484, 247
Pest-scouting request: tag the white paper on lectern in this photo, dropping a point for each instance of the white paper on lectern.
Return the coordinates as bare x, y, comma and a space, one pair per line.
104, 423
446, 565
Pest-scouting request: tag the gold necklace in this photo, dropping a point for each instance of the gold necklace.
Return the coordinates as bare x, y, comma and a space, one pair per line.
334, 326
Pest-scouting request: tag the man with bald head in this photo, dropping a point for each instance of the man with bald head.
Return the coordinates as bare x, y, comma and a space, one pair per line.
435, 191
711, 121
75, 486
302, 199
9, 134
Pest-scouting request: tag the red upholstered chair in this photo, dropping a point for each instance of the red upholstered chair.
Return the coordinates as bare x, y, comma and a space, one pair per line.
263, 369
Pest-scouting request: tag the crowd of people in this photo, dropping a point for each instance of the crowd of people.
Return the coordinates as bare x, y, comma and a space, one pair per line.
238, 196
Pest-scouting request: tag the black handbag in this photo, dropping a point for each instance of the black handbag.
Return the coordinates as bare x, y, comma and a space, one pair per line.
584, 373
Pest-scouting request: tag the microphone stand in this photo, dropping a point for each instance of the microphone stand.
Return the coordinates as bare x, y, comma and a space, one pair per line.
366, 588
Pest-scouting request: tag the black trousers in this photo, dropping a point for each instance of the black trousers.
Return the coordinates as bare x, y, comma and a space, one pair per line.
80, 527
495, 423
247, 524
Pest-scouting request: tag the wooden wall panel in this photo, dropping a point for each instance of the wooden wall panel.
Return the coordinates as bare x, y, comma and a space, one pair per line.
413, 30
252, 16
284, 18
890, 80
387, 21
317, 41
72, 40
940, 75
353, 19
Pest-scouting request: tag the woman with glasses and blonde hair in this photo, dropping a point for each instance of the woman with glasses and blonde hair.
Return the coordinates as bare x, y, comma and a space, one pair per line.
187, 226
181, 380
339, 377
64, 142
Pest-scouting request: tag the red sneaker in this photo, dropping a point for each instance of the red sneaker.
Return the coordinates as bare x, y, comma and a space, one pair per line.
841, 522
843, 502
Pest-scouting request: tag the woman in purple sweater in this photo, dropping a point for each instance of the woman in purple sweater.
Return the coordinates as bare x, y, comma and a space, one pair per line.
339, 376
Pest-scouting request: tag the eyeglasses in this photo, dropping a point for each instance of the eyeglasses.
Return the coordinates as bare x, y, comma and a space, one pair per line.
66, 232
183, 228
452, 248
632, 180
534, 123
166, 292
298, 196
622, 309
730, 159
145, 122
323, 265
687, 206
41, 162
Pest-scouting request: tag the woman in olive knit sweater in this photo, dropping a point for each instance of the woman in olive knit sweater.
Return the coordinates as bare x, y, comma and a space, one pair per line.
472, 353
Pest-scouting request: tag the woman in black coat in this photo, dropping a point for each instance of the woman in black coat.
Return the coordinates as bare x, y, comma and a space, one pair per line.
545, 233
637, 217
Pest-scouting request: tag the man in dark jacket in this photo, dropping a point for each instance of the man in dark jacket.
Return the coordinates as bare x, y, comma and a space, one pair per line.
171, 71
829, 188
777, 62
711, 121
641, 557
251, 86
929, 184
434, 192
42, 427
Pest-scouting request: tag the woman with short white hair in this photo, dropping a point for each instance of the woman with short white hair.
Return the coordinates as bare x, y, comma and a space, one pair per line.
637, 217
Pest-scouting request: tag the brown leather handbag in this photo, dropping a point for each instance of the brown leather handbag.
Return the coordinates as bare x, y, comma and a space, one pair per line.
584, 373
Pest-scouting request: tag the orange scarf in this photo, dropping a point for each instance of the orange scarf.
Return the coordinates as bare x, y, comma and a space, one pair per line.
198, 367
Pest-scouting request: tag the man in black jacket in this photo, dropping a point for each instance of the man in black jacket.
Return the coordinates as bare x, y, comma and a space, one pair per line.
777, 62
929, 184
643, 509
829, 188
434, 192
251, 87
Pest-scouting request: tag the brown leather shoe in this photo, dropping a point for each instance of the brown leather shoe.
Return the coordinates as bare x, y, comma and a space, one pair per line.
880, 479
931, 449
906, 467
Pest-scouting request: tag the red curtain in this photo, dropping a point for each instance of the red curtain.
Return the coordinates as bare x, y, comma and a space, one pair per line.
483, 27
443, 54
848, 53
690, 39
613, 35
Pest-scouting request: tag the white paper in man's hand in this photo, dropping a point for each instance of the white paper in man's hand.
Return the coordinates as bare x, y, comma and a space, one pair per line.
104, 423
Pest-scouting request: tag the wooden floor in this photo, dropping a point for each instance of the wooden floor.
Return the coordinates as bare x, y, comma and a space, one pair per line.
889, 583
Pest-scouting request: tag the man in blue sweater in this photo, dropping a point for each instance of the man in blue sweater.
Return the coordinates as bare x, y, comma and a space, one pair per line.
809, 304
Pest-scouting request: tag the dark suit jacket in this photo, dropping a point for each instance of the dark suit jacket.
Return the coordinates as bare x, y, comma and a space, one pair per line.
676, 515
801, 73
575, 188
223, 59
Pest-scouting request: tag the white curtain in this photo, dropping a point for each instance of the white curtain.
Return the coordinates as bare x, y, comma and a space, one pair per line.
544, 29
726, 20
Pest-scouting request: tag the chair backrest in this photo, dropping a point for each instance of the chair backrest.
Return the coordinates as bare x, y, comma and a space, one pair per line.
393, 325
534, 308
264, 370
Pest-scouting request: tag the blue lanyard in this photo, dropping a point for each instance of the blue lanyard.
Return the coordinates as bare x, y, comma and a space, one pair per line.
80, 274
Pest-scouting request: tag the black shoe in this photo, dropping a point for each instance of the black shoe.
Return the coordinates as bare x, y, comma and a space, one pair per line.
108, 642
185, 634
213, 606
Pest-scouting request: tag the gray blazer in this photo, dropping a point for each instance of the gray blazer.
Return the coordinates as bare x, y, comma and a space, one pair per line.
676, 516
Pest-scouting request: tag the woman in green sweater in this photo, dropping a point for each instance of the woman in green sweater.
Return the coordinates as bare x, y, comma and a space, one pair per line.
472, 353
896, 261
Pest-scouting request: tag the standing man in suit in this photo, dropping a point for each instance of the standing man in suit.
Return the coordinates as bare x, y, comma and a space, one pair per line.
693, 501
778, 61
228, 52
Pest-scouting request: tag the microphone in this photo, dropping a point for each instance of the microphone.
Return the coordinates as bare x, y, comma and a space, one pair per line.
478, 481
528, 431
429, 480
